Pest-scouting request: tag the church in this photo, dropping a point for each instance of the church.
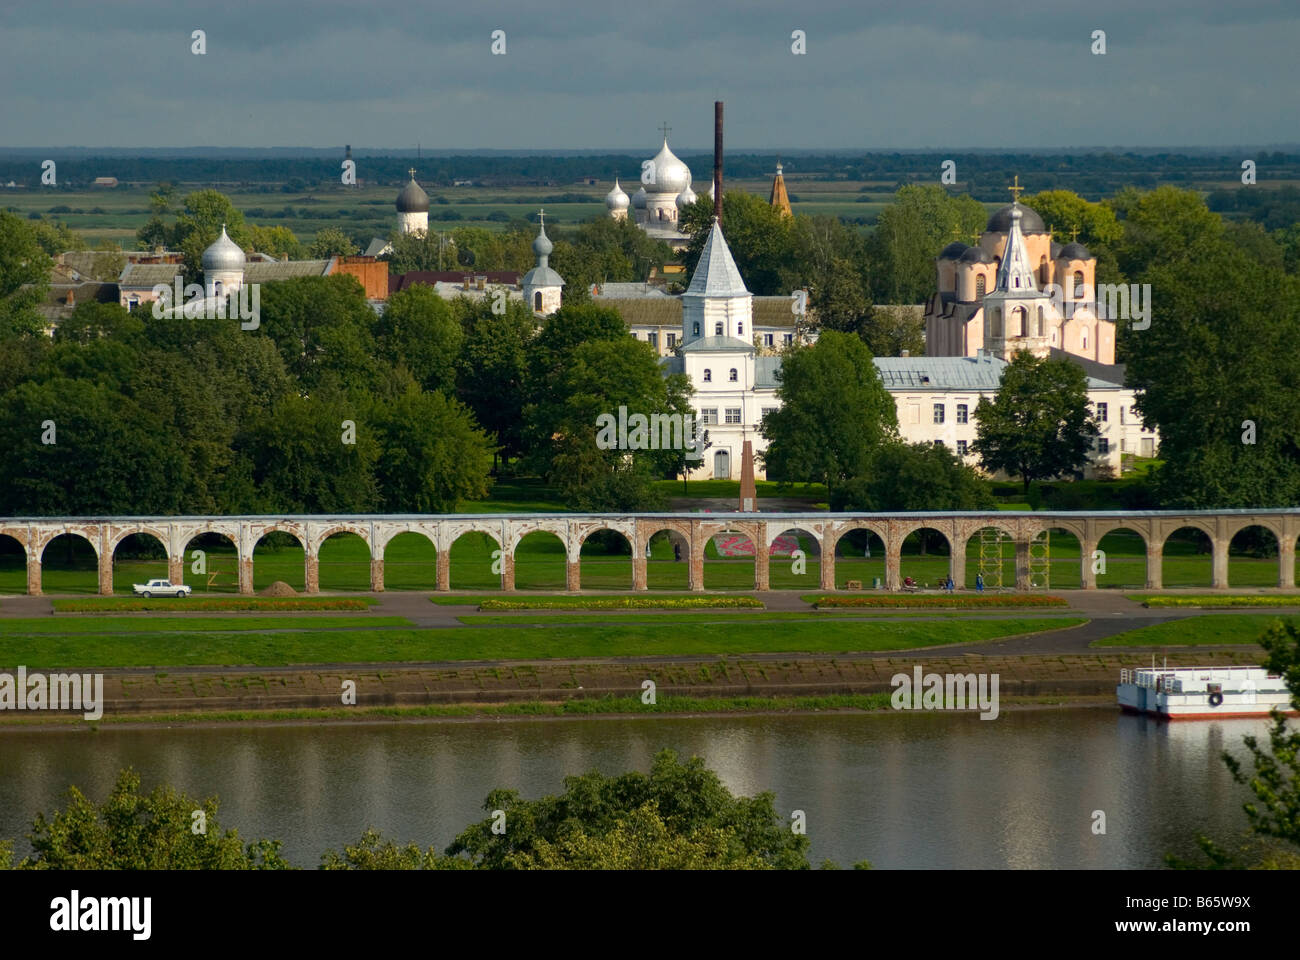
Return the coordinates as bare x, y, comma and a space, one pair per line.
1016, 289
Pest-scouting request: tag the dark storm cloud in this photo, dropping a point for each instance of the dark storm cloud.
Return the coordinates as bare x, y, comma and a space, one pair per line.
933, 73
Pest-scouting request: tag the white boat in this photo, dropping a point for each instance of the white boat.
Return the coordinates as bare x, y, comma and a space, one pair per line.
1201, 693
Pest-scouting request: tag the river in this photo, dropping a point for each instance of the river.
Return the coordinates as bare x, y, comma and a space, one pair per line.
904, 790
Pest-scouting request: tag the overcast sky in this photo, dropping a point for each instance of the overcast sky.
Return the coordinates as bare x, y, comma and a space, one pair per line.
903, 74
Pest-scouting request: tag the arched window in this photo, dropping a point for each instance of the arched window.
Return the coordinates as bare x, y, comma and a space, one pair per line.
717, 329
980, 286
708, 376
1017, 326
696, 329
740, 329
537, 300
216, 288
732, 376
1083, 338
1039, 330
1078, 284
997, 322
1043, 270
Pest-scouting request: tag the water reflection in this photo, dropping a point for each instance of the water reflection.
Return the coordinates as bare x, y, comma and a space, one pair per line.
903, 790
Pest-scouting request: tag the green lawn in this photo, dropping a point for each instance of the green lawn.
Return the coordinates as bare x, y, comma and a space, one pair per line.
1216, 600
724, 618
1209, 630
85, 651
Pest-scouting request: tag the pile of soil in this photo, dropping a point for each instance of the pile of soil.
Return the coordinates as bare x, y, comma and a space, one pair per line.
279, 589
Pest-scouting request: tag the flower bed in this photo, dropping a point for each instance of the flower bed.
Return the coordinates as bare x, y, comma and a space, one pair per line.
1216, 600
200, 604
937, 600
620, 603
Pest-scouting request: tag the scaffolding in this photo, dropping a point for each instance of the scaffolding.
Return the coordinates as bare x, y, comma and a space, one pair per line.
1040, 561
991, 540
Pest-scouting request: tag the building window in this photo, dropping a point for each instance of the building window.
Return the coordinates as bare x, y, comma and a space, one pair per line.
997, 323
1083, 338
789, 339
1039, 331
732, 377
1042, 270
938, 413
708, 375
961, 448
740, 329
537, 300
653, 338
979, 286
963, 415
1121, 416
767, 340
733, 414
1123, 444
767, 410
709, 416
696, 329
1018, 325
1101, 412
717, 329
1103, 445
1078, 284
672, 341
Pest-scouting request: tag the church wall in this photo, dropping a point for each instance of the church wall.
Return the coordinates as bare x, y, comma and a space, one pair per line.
413, 222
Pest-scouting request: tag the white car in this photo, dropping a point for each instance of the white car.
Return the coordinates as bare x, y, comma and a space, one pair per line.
161, 588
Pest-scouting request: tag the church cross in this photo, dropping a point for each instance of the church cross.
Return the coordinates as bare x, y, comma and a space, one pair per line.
1074, 233
975, 239
665, 128
1015, 191
541, 217
412, 172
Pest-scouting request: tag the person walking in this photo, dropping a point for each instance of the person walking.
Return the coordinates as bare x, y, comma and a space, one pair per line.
677, 553
979, 583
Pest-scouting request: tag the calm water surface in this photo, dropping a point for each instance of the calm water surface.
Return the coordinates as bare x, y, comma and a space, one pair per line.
920, 790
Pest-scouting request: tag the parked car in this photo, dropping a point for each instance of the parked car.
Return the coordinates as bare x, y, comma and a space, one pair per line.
161, 588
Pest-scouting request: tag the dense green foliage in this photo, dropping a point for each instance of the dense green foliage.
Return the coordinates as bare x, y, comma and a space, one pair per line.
914, 476
134, 831
834, 413
1038, 425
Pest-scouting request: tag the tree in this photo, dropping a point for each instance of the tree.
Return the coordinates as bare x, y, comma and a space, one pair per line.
278, 241
200, 223
1216, 371
331, 242
908, 236
153, 831
1160, 226
834, 412
322, 328
417, 328
420, 251
681, 814
56, 238
914, 476
1038, 425
24, 276
492, 367
432, 454
759, 237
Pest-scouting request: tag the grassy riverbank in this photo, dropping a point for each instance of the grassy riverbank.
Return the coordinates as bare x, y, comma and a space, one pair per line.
667, 639
1220, 629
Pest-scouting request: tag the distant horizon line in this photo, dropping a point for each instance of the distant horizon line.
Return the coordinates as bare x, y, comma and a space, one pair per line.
138, 151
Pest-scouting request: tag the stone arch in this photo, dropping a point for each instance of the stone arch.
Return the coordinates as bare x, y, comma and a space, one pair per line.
471, 564
605, 558
1062, 553
214, 573
410, 560
671, 555
728, 552
142, 569
857, 548
342, 556
782, 541
273, 560
13, 562
161, 534
999, 572
69, 568
1124, 551
1253, 560
921, 556
1187, 555
540, 556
